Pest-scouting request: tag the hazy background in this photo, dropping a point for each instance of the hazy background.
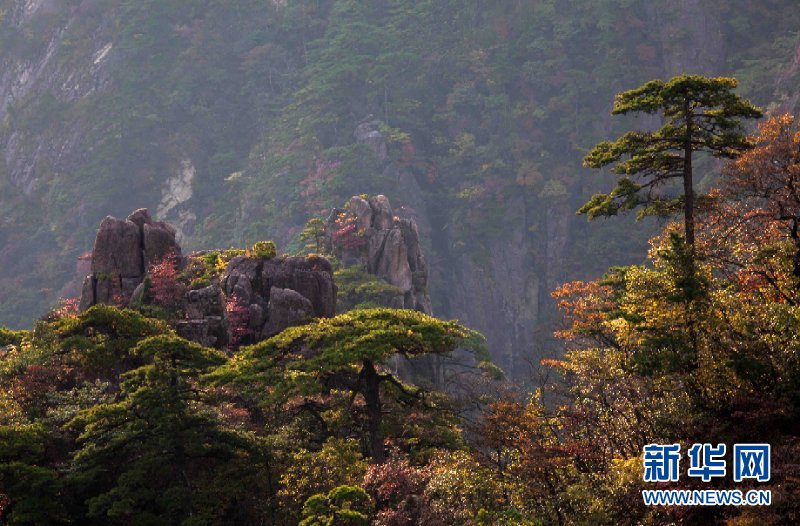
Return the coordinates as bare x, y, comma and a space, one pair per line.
236, 121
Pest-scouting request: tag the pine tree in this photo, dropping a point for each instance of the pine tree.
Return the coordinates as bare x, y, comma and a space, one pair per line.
349, 353
158, 456
700, 114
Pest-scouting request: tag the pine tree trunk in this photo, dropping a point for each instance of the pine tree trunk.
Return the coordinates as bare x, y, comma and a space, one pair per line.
688, 185
796, 239
372, 397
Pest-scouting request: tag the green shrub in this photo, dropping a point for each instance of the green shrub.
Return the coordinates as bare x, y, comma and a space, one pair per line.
358, 289
264, 249
100, 340
9, 337
201, 271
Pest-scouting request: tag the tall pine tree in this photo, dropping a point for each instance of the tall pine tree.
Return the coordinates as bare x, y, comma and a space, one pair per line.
700, 114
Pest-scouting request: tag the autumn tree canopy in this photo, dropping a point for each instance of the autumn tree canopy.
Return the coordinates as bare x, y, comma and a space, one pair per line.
766, 180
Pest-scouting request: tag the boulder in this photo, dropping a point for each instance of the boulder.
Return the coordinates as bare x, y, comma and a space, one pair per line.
312, 277
138, 295
382, 214
258, 282
208, 301
210, 331
419, 269
256, 317
159, 242
127, 286
276, 292
391, 249
123, 251
140, 217
87, 293
359, 207
286, 309
118, 249
393, 264
411, 237
375, 243
242, 273
206, 321
106, 290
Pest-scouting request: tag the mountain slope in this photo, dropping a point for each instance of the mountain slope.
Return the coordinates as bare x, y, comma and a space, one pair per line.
239, 122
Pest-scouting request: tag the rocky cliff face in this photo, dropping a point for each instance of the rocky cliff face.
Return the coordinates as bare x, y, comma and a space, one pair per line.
499, 294
254, 298
504, 293
281, 291
368, 233
85, 130
39, 73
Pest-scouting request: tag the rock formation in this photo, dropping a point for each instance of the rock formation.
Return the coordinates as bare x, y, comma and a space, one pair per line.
281, 291
123, 251
368, 132
64, 65
367, 232
206, 317
267, 294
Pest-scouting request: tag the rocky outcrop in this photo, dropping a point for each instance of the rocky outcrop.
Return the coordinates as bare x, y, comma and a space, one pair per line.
206, 317
123, 251
43, 73
257, 298
367, 232
254, 299
280, 292
62, 151
176, 197
368, 132
286, 308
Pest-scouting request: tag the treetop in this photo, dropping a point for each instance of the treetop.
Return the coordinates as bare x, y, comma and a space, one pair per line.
714, 93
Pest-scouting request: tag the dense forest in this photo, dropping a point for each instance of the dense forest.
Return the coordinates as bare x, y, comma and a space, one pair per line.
109, 416
312, 380
238, 123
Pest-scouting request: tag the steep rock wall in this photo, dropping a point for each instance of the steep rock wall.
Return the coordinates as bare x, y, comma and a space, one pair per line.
123, 252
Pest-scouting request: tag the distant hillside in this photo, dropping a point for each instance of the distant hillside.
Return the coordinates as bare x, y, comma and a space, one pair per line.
238, 121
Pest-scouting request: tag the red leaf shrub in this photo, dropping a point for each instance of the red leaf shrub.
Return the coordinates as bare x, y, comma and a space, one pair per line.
397, 488
347, 235
165, 289
67, 308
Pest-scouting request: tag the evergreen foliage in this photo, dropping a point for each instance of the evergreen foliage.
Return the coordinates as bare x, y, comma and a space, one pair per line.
699, 114
264, 250
157, 455
358, 289
348, 354
313, 236
343, 505
107, 417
